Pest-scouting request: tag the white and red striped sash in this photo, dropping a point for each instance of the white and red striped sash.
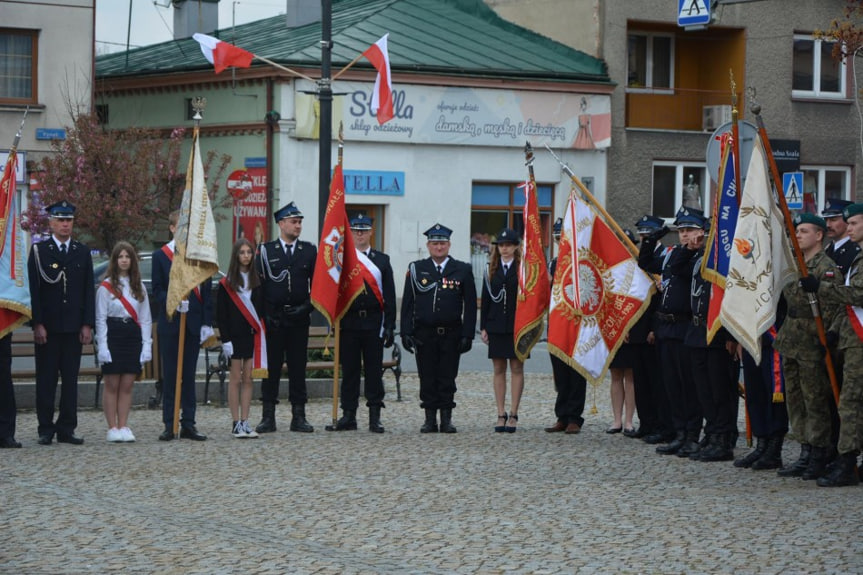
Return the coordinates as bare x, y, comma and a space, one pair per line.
247, 309
122, 299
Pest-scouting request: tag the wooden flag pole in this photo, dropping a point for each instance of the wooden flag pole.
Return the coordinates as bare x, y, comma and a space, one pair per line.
798, 254
336, 375
285, 68
178, 386
349, 64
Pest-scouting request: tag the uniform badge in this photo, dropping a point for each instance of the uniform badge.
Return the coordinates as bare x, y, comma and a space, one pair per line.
424, 281
55, 265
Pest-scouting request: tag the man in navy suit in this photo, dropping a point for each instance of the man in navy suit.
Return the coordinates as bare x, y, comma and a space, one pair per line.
199, 320
63, 298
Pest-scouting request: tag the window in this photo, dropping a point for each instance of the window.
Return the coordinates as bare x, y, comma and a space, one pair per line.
822, 182
815, 73
675, 183
102, 113
650, 62
18, 58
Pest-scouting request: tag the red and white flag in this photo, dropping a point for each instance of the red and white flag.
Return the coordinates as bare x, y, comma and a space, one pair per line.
598, 292
339, 275
221, 54
382, 97
533, 286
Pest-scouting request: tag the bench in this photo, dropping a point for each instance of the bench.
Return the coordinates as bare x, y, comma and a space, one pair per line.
217, 365
24, 346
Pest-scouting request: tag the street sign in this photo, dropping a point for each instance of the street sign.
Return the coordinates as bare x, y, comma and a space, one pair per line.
693, 12
792, 187
50, 134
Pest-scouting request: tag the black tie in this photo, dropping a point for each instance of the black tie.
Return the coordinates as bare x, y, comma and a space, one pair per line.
505, 268
62, 249
439, 270
289, 249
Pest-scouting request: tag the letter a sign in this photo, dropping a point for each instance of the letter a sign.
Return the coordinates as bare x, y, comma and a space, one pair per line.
693, 12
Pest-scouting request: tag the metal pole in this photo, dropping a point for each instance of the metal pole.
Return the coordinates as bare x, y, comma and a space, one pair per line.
325, 97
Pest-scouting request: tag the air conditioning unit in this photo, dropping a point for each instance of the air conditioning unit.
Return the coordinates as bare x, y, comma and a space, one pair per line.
714, 116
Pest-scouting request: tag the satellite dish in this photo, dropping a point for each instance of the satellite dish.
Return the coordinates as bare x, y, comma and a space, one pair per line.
747, 133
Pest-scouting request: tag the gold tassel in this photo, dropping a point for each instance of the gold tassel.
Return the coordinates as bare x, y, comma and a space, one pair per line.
594, 410
326, 352
778, 397
259, 373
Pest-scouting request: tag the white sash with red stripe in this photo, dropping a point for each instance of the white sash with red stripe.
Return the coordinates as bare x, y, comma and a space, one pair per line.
372, 276
855, 313
244, 303
122, 299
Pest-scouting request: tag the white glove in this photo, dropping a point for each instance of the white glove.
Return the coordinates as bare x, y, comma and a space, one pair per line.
183, 307
104, 355
228, 349
146, 353
206, 333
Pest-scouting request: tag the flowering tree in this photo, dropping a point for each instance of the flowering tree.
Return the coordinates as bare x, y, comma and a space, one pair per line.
122, 182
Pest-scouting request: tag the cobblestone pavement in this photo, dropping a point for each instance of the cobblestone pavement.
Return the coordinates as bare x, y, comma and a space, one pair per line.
402, 502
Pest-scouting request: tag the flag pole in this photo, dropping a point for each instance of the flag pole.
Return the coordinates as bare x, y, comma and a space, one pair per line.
285, 68
349, 64
755, 107
590, 198
336, 322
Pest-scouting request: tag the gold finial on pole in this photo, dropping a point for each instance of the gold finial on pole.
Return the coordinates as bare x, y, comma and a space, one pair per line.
733, 90
198, 105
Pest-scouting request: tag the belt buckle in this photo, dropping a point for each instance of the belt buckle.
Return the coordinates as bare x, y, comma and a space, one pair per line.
440, 330
286, 307
362, 313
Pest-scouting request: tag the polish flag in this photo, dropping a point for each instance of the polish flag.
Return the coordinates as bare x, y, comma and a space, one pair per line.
221, 54
382, 98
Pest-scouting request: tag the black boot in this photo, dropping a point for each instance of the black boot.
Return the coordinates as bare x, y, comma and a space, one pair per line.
772, 458
747, 460
702, 447
818, 460
298, 421
674, 446
348, 420
375, 419
843, 472
720, 448
446, 425
797, 468
430, 426
690, 444
268, 418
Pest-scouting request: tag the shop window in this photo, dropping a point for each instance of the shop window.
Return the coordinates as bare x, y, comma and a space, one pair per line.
815, 73
18, 66
376, 212
650, 61
676, 183
822, 182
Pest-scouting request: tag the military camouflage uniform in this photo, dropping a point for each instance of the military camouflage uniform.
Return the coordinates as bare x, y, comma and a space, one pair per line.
851, 397
808, 394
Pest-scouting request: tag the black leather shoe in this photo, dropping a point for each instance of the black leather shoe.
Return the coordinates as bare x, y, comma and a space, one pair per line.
192, 433
9, 443
167, 435
70, 438
46, 439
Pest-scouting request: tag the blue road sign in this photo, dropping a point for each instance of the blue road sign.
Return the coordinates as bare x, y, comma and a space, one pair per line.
792, 187
693, 12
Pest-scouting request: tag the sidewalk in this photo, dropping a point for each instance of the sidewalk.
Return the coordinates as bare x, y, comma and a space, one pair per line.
403, 502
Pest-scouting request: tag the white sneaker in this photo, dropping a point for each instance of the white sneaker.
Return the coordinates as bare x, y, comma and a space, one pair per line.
249, 431
128, 436
114, 435
239, 430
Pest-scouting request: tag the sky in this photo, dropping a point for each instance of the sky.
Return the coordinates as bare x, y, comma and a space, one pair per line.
153, 20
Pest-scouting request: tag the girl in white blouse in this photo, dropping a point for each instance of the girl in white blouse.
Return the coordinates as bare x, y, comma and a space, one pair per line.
123, 336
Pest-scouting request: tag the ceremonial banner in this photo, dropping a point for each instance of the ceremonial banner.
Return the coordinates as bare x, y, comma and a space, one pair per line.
196, 256
760, 262
14, 284
533, 288
586, 331
717, 249
338, 278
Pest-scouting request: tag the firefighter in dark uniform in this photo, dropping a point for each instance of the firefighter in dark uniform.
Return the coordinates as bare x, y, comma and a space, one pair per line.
571, 387
286, 266
366, 329
654, 411
438, 323
62, 294
840, 249
673, 319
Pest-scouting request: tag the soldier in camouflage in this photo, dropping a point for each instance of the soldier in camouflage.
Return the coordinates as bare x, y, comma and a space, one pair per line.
808, 393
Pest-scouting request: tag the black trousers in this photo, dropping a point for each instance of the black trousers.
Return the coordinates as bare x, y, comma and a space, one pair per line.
169, 348
7, 391
765, 416
437, 363
677, 375
286, 345
571, 389
650, 399
361, 350
59, 356
714, 372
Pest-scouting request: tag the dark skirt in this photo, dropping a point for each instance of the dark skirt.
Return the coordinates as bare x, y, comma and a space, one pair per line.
501, 346
124, 343
244, 347
624, 358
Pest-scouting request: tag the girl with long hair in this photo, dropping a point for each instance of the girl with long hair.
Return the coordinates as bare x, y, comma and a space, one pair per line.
124, 335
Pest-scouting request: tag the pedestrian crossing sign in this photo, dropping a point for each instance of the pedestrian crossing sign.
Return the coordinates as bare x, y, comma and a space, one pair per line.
792, 187
693, 12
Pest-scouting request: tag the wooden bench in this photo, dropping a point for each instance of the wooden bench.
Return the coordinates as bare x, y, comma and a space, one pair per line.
217, 364
23, 346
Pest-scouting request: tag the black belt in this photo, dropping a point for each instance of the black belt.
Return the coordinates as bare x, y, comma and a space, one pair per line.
120, 319
698, 322
442, 329
673, 317
363, 312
